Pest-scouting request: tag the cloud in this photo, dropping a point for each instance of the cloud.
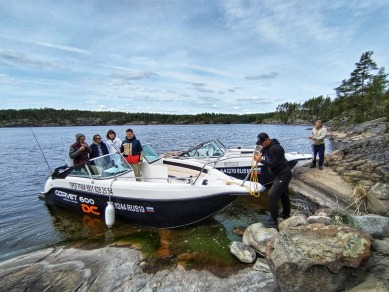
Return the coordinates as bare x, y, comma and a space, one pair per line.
256, 100
63, 48
183, 56
6, 80
132, 75
17, 59
280, 22
271, 75
209, 99
197, 83
204, 90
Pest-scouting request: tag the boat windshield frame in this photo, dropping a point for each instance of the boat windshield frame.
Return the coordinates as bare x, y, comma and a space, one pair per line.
209, 149
102, 167
150, 154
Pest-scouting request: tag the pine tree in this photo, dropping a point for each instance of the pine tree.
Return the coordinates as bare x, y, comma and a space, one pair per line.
354, 90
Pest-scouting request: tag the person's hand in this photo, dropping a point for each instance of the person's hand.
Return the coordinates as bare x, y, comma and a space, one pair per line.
258, 157
83, 147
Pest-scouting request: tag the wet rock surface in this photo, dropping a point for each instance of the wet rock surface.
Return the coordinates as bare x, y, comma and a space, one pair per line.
256, 236
243, 252
116, 269
324, 187
356, 175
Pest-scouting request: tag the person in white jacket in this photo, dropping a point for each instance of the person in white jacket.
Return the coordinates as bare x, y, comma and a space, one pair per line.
113, 143
319, 132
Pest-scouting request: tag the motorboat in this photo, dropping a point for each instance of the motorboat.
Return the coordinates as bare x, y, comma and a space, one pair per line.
169, 193
236, 162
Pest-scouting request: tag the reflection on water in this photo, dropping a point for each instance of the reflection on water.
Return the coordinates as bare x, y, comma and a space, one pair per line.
198, 246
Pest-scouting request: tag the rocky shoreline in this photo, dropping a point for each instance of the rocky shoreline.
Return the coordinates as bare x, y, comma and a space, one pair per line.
356, 175
340, 247
306, 254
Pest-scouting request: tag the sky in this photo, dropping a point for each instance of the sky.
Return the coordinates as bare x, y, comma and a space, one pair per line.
183, 56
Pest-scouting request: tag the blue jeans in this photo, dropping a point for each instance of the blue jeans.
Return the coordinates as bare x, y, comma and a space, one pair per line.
318, 149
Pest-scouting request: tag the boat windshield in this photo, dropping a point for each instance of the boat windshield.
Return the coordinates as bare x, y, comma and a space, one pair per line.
102, 167
212, 148
150, 154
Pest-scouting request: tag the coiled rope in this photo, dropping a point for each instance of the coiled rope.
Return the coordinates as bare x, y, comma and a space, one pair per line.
253, 180
253, 189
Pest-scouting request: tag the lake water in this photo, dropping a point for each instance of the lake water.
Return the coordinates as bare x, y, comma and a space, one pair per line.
27, 224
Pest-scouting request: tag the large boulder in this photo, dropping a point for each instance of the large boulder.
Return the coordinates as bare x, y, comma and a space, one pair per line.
371, 284
375, 225
257, 236
293, 221
243, 252
377, 279
380, 191
316, 257
378, 199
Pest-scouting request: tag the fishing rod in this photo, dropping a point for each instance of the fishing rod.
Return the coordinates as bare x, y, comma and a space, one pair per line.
40, 149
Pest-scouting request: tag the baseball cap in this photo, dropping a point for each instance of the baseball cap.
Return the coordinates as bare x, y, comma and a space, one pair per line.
261, 138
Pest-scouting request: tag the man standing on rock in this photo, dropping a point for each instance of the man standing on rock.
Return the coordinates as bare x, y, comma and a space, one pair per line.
319, 132
272, 155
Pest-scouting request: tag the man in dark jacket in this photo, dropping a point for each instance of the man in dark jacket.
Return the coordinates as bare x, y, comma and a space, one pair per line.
79, 151
273, 156
132, 151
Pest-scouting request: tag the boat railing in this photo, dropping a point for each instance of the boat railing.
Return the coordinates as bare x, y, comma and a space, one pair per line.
305, 145
204, 166
160, 179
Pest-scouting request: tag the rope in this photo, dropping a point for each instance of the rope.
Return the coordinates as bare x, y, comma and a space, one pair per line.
253, 189
253, 181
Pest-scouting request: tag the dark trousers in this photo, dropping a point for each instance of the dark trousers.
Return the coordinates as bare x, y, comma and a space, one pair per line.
279, 190
318, 149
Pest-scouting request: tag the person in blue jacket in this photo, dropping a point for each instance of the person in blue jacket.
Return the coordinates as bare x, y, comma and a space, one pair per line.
132, 151
98, 147
273, 156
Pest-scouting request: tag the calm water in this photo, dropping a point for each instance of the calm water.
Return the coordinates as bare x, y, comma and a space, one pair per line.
27, 224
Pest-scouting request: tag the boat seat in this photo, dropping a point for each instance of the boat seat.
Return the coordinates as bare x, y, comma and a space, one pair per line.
187, 180
154, 173
96, 171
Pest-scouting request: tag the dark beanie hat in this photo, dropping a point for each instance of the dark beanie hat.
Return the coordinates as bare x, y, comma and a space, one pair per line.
78, 136
261, 138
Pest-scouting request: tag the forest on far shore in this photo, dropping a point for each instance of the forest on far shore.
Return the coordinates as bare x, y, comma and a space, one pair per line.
362, 97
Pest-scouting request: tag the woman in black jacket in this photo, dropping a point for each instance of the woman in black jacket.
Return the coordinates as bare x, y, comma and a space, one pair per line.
98, 147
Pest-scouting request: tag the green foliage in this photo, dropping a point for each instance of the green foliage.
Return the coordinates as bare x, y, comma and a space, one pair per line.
49, 116
363, 96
